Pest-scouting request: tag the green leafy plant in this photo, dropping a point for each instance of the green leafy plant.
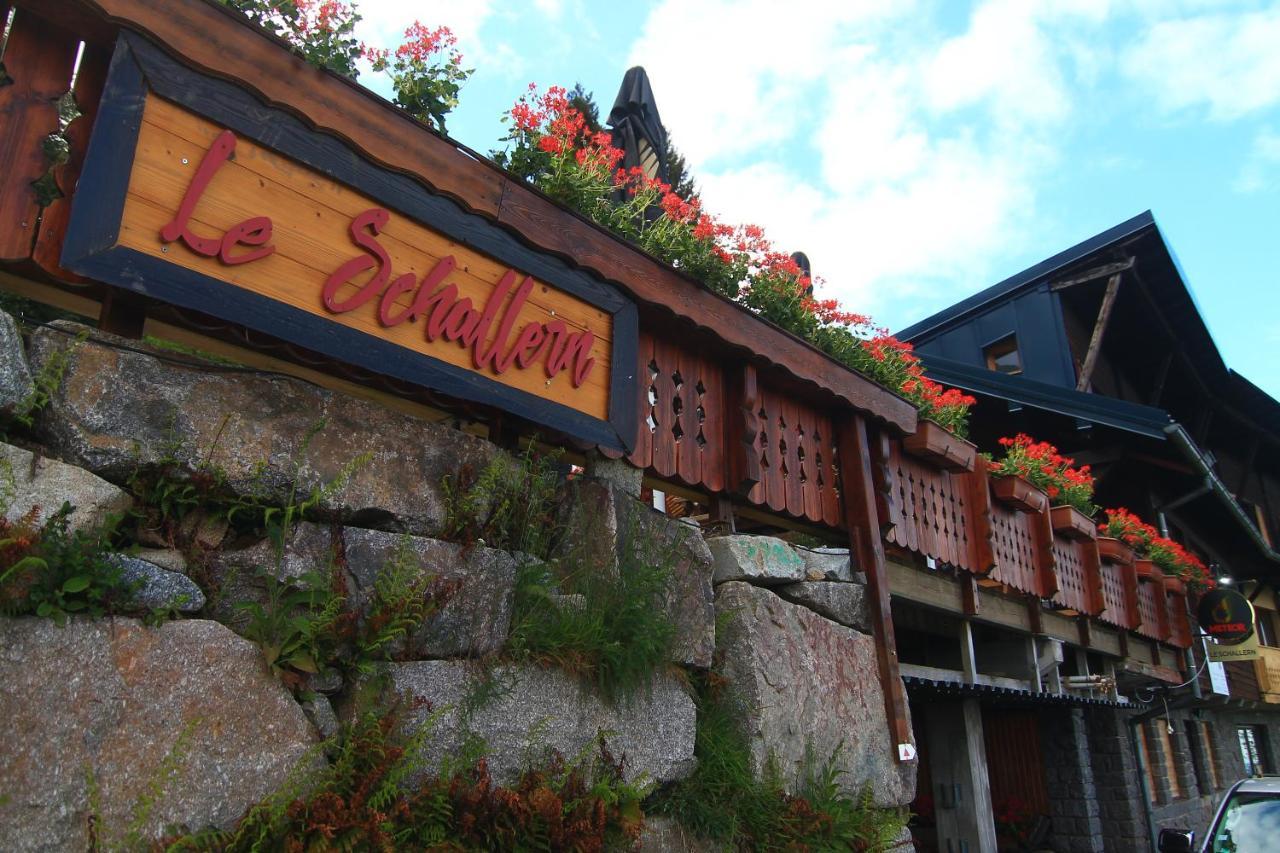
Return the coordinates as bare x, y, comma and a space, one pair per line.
724, 800
609, 625
426, 72
510, 504
45, 384
375, 795
321, 31
54, 572
301, 626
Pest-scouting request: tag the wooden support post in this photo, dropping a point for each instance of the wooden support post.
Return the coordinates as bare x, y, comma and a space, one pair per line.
1035, 619
1086, 631
722, 513
1095, 601
968, 652
1133, 618
744, 431
866, 543
1046, 564
1095, 342
122, 314
962, 789
1033, 664
982, 538
969, 600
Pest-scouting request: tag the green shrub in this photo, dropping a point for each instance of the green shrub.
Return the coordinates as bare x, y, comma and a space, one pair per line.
51, 571
608, 625
509, 504
725, 802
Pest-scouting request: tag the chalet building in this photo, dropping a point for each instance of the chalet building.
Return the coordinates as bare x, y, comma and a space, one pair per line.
1099, 350
218, 193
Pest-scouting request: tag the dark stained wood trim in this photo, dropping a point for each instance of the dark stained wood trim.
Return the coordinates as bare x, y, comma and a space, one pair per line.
1099, 329
743, 430
866, 541
216, 40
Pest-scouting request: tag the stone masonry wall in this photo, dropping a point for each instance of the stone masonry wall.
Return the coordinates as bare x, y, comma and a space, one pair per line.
102, 711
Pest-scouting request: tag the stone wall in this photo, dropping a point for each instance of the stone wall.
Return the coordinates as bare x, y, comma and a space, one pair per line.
106, 713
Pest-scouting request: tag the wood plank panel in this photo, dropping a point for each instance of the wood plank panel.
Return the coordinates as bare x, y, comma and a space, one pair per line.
39, 57
689, 455
311, 215
53, 222
715, 409
664, 445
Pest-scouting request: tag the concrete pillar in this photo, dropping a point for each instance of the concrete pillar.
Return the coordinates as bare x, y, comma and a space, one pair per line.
958, 763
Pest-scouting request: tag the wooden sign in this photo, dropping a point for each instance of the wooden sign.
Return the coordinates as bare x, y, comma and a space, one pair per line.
194, 193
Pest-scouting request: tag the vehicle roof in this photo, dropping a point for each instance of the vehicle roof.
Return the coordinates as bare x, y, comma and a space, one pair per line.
1263, 785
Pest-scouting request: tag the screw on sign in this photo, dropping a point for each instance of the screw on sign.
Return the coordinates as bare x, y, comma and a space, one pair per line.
1226, 616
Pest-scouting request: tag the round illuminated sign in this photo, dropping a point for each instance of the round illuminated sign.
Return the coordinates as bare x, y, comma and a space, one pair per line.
1226, 616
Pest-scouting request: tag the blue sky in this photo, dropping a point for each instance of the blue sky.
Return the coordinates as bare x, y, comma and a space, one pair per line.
919, 151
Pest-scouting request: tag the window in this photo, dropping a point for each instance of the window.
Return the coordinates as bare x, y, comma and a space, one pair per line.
1265, 628
1164, 732
1155, 749
1203, 759
1254, 750
1003, 357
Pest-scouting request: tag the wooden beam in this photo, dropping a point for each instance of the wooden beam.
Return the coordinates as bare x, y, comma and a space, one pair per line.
1099, 328
1161, 377
866, 541
968, 652
1093, 274
969, 599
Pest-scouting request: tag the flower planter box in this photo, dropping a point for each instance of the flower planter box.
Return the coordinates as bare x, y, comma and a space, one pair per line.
934, 444
1018, 494
1147, 570
1071, 523
1115, 551
1175, 585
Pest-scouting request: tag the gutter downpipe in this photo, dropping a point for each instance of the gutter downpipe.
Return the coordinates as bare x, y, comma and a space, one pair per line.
1178, 434
1143, 758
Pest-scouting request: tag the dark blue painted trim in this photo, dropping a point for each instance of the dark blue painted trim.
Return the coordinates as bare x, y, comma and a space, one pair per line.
1094, 408
138, 67
964, 307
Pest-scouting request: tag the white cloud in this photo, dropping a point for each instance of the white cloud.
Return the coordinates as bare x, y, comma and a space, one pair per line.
924, 146
1262, 168
1229, 64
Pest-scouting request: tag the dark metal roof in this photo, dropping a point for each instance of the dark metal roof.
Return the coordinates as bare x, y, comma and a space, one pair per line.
1157, 270
1031, 275
919, 687
1094, 408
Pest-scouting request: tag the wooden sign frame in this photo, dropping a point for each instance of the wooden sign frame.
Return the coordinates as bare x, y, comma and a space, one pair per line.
92, 248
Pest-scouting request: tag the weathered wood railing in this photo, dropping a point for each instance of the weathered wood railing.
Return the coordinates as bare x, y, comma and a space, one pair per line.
954, 519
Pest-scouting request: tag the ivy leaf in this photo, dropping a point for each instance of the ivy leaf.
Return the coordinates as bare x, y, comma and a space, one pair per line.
79, 583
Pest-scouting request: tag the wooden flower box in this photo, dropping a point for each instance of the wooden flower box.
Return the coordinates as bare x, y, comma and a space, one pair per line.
1018, 494
1175, 585
1071, 523
1147, 570
1115, 551
938, 446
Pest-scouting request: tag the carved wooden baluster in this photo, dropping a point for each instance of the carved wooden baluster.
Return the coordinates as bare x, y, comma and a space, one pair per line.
743, 449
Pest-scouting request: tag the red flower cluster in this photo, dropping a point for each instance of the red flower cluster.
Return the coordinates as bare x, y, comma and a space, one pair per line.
1172, 558
420, 43
741, 260
323, 17
1048, 470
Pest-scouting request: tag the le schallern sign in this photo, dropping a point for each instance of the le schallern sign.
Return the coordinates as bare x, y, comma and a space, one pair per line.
195, 193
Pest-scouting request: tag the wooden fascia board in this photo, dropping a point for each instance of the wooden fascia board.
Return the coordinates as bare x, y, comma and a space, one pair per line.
218, 42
